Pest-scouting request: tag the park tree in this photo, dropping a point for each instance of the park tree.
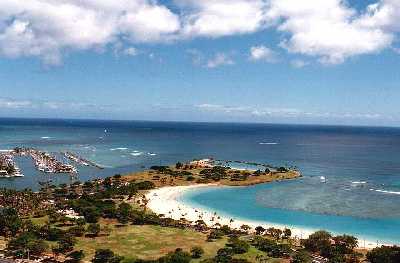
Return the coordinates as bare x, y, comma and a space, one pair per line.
94, 229
75, 256
224, 255
105, 256
124, 213
197, 252
91, 214
318, 242
245, 228
178, 165
302, 256
287, 233
10, 222
77, 231
178, 256
259, 230
27, 242
238, 246
345, 243
384, 254
65, 244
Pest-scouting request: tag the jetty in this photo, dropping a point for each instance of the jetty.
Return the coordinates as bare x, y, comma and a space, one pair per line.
80, 160
45, 162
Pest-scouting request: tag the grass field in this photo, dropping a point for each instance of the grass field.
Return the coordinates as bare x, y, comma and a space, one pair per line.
148, 242
152, 242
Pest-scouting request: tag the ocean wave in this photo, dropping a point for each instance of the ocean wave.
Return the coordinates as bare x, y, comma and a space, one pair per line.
119, 149
359, 182
385, 191
136, 153
45, 137
268, 143
152, 154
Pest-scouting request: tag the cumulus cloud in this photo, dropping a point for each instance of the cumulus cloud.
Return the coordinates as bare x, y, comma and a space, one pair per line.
329, 30
47, 28
215, 18
266, 112
220, 59
263, 53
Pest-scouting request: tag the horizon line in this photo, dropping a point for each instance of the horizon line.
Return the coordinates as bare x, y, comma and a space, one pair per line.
199, 122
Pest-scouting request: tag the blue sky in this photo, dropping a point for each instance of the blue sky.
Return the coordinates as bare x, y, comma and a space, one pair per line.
329, 62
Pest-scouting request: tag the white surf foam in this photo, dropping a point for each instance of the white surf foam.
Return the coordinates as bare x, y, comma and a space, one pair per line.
119, 149
268, 143
359, 182
385, 191
152, 154
136, 153
45, 137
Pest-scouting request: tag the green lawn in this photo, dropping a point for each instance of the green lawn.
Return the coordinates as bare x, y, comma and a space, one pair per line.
252, 254
148, 242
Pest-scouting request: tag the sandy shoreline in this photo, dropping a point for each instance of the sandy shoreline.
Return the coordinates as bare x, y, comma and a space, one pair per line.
166, 201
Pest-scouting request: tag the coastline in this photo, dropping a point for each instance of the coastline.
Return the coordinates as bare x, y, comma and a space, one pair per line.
166, 201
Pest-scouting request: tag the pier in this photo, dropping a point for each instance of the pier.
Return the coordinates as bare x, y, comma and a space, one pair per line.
45, 162
80, 160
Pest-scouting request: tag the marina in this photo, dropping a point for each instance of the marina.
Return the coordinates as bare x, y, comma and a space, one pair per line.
45, 162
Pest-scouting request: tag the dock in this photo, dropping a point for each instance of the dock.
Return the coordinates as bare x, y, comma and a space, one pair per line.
80, 160
45, 162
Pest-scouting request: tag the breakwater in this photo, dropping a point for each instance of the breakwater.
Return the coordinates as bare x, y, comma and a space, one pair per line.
80, 160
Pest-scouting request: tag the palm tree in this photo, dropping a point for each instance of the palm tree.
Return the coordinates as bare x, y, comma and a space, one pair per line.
245, 228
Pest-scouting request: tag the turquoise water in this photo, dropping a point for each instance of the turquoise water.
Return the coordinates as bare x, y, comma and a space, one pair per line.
361, 166
242, 203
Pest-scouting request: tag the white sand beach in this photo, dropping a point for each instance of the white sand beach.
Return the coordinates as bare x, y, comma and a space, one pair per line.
166, 201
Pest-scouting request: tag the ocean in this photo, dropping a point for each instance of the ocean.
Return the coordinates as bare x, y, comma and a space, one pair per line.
361, 166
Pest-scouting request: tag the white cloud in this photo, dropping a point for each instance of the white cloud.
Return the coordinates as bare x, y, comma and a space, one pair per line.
330, 29
263, 53
215, 18
47, 28
265, 112
220, 59
14, 104
299, 63
21, 104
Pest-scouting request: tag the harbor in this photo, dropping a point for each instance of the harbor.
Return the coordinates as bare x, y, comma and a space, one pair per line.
45, 162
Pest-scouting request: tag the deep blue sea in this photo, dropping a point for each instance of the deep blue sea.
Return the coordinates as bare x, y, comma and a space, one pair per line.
361, 165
